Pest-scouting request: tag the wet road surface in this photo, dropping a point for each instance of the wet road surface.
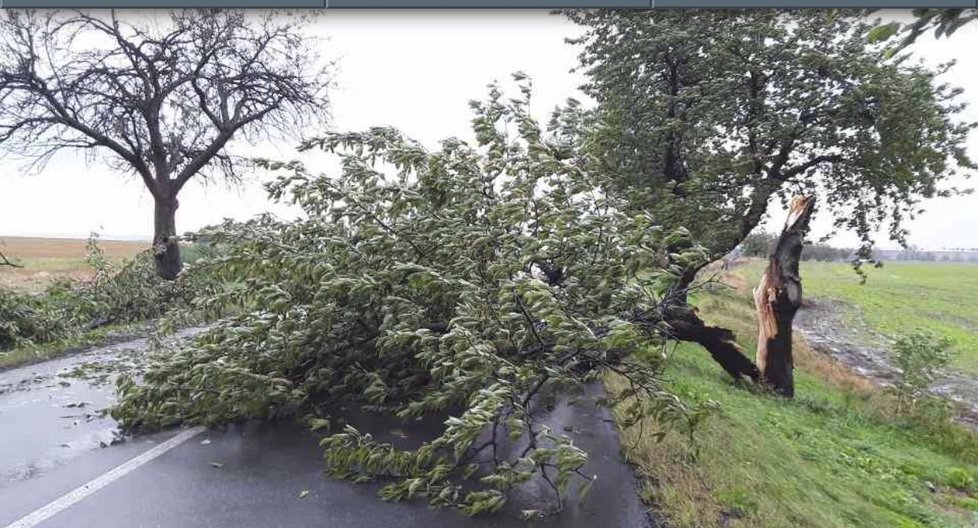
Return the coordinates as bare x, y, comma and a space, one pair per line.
54, 442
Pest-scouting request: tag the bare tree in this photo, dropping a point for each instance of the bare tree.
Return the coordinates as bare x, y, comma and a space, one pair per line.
159, 96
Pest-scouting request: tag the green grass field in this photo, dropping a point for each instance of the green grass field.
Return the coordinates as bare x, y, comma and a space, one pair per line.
837, 455
902, 297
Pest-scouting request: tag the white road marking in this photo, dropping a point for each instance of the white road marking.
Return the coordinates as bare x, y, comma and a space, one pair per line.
79, 493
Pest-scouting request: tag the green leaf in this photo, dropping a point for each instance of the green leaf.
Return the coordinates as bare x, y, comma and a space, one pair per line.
883, 32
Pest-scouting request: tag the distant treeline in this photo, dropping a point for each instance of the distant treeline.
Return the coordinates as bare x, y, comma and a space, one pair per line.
761, 244
944, 255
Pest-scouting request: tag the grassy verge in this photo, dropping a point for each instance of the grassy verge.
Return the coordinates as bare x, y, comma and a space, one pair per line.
101, 336
834, 457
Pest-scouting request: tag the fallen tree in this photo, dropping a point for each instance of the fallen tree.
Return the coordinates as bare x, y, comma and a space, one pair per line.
124, 293
467, 282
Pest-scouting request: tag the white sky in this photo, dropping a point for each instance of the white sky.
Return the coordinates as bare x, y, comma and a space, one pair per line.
415, 70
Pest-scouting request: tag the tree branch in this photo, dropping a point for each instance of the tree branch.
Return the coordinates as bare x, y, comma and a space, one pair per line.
4, 261
810, 164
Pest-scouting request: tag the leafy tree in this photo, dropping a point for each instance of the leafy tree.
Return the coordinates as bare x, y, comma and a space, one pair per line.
161, 99
943, 22
921, 357
758, 244
705, 117
467, 282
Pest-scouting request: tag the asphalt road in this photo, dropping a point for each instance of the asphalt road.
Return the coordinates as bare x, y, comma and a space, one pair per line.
61, 465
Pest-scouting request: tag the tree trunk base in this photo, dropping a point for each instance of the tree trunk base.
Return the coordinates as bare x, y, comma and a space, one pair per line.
166, 247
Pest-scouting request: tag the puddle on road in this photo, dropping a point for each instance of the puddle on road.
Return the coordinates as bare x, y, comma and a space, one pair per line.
55, 411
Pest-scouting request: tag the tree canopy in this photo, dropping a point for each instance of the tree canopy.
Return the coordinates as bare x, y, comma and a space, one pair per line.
943, 22
704, 117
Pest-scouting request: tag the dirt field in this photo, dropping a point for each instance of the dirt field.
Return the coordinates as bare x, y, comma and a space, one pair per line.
45, 259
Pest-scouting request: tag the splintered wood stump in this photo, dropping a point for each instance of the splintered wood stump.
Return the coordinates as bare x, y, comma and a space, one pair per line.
778, 297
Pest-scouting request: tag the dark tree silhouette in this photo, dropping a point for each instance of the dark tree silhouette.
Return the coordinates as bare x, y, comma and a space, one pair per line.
160, 96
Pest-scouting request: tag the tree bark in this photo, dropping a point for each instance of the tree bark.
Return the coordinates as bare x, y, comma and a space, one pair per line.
686, 325
166, 249
719, 342
778, 297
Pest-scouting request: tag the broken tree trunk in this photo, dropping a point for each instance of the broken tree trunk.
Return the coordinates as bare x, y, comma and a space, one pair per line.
685, 324
682, 322
778, 297
719, 342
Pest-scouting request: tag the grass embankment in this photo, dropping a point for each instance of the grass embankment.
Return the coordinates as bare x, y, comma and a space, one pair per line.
836, 456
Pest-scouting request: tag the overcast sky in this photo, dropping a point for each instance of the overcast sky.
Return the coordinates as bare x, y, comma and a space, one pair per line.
415, 70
